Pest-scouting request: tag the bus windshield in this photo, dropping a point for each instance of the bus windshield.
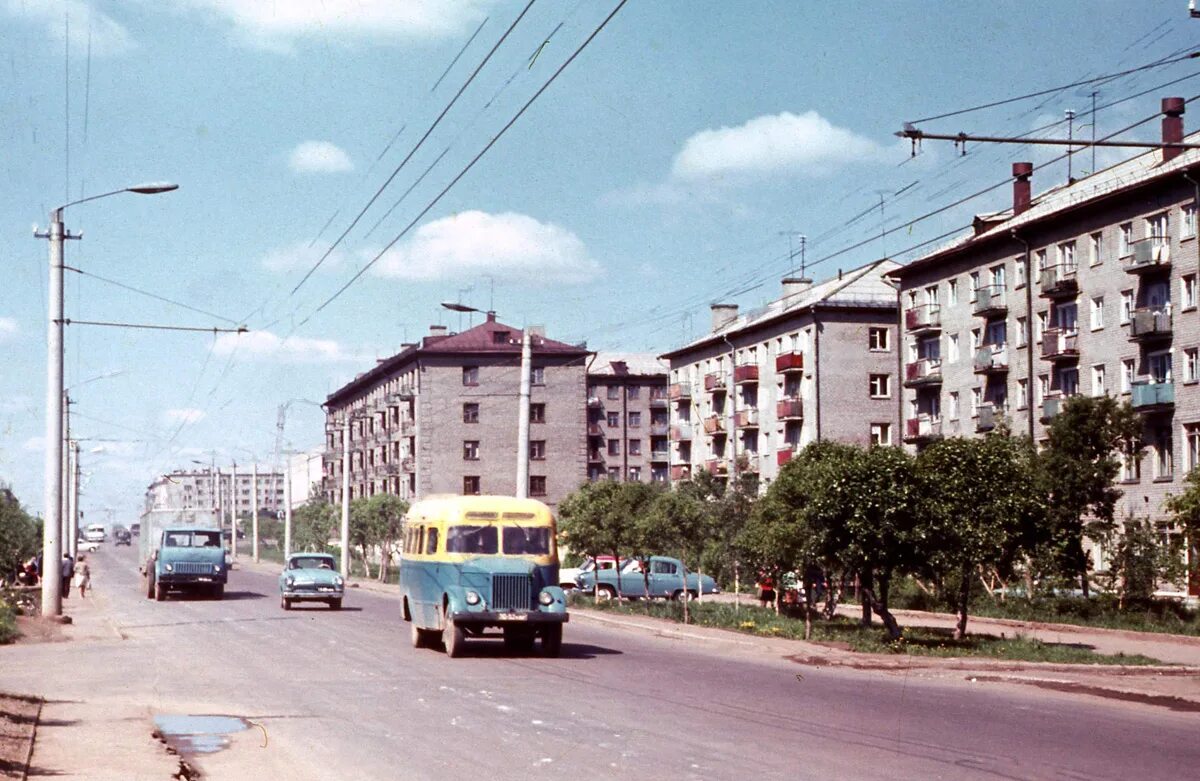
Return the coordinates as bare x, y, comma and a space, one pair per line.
527, 540
471, 539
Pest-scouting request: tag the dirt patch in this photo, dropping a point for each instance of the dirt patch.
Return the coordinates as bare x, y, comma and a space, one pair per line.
1158, 700
18, 723
34, 629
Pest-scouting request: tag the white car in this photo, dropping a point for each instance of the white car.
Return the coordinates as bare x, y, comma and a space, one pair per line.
87, 545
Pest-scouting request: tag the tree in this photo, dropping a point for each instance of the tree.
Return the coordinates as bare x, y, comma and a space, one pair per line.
1082, 457
1140, 560
584, 521
1185, 508
312, 525
981, 507
375, 523
20, 535
728, 514
677, 519
777, 537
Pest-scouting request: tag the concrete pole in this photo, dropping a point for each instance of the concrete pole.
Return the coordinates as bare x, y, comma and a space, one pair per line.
287, 509
233, 511
523, 419
254, 508
345, 539
74, 536
72, 523
52, 463
66, 470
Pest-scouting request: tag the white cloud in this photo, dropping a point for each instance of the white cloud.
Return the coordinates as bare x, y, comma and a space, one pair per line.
301, 257
267, 346
805, 144
514, 246
319, 157
277, 25
183, 415
107, 35
8, 328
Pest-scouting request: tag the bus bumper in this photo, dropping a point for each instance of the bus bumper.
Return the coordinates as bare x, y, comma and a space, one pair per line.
507, 618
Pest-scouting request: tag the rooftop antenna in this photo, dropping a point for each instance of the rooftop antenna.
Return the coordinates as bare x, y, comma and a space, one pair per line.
792, 237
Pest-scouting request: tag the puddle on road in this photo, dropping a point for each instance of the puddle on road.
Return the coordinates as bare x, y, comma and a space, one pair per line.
192, 735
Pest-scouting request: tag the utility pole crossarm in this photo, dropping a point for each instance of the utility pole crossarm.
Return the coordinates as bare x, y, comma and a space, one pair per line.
917, 135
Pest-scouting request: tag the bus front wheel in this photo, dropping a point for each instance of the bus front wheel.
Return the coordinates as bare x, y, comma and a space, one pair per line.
552, 640
453, 638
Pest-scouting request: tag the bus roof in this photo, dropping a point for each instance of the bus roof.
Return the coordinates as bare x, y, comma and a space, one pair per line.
476, 508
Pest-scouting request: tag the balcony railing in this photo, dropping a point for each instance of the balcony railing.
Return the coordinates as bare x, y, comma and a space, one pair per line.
990, 300
660, 456
659, 429
923, 428
1149, 324
789, 362
1051, 406
392, 468
681, 432
596, 456
1150, 254
717, 466
991, 359
925, 317
789, 409
784, 455
680, 392
714, 424
926, 371
746, 418
1150, 396
746, 373
714, 383
1059, 280
658, 400
681, 471
595, 402
595, 430
407, 464
1058, 344
988, 416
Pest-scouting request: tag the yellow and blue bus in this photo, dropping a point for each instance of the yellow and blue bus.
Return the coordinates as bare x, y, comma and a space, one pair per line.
476, 563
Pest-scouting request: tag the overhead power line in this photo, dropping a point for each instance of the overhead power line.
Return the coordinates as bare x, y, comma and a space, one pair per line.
241, 329
449, 67
148, 294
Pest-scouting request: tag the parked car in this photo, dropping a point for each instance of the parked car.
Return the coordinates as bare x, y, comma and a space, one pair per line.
311, 577
666, 580
86, 545
567, 576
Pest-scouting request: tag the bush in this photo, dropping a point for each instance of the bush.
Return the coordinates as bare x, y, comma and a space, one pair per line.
8, 623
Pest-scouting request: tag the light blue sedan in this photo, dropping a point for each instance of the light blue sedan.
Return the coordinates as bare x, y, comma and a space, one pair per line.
310, 577
666, 580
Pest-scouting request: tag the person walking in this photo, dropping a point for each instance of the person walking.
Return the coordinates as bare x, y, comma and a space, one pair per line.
83, 575
67, 569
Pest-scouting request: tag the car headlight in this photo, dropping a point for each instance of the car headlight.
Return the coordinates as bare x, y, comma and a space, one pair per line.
472, 598
546, 598
338, 581
216, 568
290, 580
169, 568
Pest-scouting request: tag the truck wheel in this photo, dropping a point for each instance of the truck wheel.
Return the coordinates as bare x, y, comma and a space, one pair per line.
552, 641
160, 593
335, 604
453, 638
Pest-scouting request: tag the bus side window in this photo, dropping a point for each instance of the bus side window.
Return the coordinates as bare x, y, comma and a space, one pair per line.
432, 542
421, 539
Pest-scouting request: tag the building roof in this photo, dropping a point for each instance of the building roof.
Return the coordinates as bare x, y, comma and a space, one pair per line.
1127, 175
488, 338
617, 364
863, 287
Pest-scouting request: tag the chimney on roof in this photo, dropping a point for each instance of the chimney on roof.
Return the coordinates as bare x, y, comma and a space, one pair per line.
722, 315
437, 330
1172, 127
1021, 173
491, 316
794, 286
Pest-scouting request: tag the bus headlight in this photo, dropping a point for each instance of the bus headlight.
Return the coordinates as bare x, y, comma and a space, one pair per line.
546, 598
472, 598
169, 568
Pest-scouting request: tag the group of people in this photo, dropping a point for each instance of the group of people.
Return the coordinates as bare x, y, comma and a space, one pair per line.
30, 573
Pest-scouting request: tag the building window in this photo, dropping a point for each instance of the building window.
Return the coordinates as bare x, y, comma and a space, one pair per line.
1125, 243
614, 473
881, 434
1098, 387
537, 375
976, 340
537, 413
878, 340
471, 485
1039, 258
952, 353
1094, 256
635, 447
1127, 375
501, 337
953, 405
1188, 229
1097, 313
635, 420
1156, 229
1188, 285
613, 419
1022, 394
1126, 305
974, 286
1022, 330
1043, 388
1020, 267
1191, 435
470, 375
881, 386
537, 450
1131, 468
470, 413
1039, 327
1191, 364
614, 447
976, 400
614, 392
537, 485
1164, 460
471, 450
1066, 255
633, 391
951, 295
635, 474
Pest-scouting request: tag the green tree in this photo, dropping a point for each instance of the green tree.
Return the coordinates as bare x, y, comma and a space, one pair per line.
584, 521
312, 526
1081, 460
20, 535
677, 520
1185, 509
777, 537
1140, 560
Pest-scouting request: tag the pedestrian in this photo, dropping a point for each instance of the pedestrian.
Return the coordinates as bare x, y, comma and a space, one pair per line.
766, 589
68, 569
83, 575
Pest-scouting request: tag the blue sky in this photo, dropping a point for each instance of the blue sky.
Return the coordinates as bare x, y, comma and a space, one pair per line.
653, 177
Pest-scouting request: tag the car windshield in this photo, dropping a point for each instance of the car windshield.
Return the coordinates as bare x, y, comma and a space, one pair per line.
311, 562
200, 539
471, 539
527, 540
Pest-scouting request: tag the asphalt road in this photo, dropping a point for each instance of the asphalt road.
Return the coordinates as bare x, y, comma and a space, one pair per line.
343, 695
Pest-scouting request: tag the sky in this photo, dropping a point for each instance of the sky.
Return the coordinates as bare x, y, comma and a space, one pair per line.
673, 163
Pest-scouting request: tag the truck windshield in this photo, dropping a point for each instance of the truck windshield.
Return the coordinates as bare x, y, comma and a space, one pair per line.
471, 539
198, 539
527, 540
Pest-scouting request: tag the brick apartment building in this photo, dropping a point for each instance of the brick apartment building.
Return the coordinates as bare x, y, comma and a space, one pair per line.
818, 363
628, 419
1090, 287
187, 489
440, 417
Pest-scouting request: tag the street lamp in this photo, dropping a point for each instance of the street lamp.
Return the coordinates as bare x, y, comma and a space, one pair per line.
52, 496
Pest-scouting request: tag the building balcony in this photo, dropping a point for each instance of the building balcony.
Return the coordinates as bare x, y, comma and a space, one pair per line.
595, 430
404, 394
783, 455
659, 429
786, 363
717, 467
1148, 325
660, 456
1051, 406
987, 416
789, 409
714, 424
408, 428
595, 456
925, 318
658, 401
1150, 396
922, 429
1060, 345
408, 464
927, 371
746, 419
681, 472
595, 402
1059, 282
990, 300
991, 359
1150, 255
745, 374
392, 468
679, 392
714, 383
681, 432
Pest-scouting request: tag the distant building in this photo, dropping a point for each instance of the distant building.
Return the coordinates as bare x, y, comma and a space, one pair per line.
188, 489
306, 473
818, 363
441, 417
628, 419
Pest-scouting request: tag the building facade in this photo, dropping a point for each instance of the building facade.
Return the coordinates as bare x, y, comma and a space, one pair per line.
1089, 288
305, 474
818, 363
441, 417
628, 419
202, 489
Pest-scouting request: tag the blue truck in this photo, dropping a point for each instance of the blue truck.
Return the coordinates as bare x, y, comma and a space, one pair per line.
181, 550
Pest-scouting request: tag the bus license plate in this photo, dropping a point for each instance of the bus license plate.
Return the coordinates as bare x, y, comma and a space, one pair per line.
513, 617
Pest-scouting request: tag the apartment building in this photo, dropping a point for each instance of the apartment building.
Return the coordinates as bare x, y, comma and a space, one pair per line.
628, 418
441, 417
305, 474
1090, 287
817, 363
188, 489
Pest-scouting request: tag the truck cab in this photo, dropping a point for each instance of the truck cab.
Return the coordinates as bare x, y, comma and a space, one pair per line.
186, 558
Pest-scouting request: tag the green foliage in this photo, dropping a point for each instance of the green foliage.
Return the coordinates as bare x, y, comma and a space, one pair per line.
1140, 560
8, 623
376, 523
313, 525
20, 535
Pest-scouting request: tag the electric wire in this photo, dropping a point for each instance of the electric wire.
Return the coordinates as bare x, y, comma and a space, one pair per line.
460, 54
156, 327
155, 296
